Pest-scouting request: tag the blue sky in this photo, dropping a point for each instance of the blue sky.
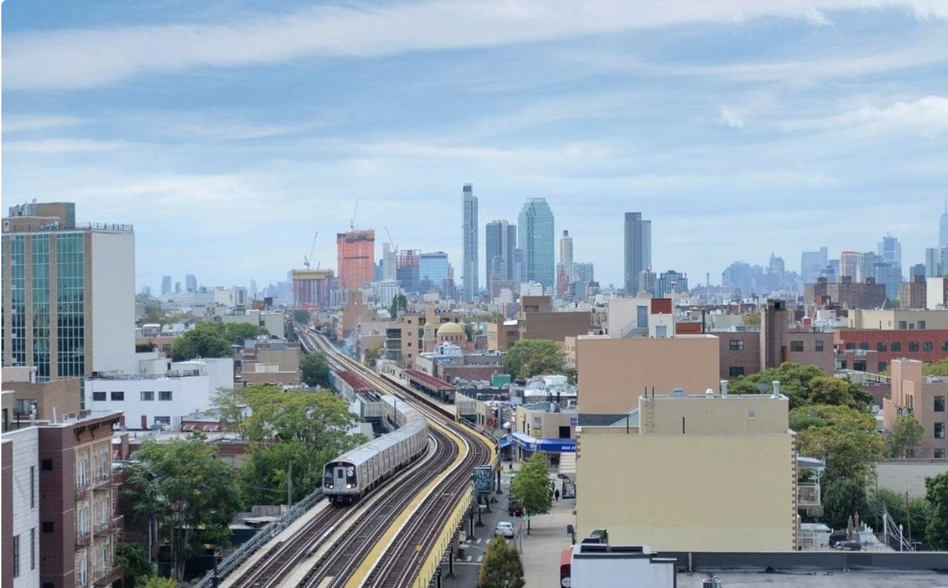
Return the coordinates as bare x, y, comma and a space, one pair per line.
229, 132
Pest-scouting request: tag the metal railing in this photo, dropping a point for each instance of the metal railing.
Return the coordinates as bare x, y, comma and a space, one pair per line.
808, 495
230, 563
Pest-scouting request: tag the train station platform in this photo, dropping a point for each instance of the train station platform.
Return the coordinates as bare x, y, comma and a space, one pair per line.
429, 385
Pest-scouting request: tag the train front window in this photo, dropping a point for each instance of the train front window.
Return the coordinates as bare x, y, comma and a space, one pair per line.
340, 473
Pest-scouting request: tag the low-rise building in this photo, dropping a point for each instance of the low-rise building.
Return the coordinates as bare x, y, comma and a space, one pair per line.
913, 294
926, 345
898, 319
502, 334
270, 361
924, 398
273, 321
538, 319
641, 477
449, 361
546, 428
61, 394
162, 399
846, 293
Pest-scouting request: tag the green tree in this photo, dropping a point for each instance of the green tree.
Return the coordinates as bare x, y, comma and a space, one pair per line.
502, 567
301, 316
136, 567
904, 437
804, 385
399, 302
752, 319
938, 368
844, 438
531, 487
315, 370
231, 403
842, 498
936, 492
264, 478
915, 518
534, 357
213, 339
188, 490
373, 354
156, 582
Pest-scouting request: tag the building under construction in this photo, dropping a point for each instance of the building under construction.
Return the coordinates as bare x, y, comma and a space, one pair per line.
311, 288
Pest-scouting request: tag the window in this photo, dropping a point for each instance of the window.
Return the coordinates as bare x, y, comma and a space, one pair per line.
735, 371
850, 346
859, 365
33, 548
48, 526
32, 486
903, 325
81, 477
163, 420
164, 395
842, 364
882, 366
84, 570
939, 430
796, 346
118, 396
864, 345
928, 346
881, 347
98, 397
939, 454
819, 345
896, 346
921, 325
751, 414
913, 346
16, 556
736, 344
939, 404
944, 346
83, 520
147, 396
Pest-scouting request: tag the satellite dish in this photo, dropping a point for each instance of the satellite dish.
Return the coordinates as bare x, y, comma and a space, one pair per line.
763, 388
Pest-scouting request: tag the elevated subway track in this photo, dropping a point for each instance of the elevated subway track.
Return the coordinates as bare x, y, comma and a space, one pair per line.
410, 550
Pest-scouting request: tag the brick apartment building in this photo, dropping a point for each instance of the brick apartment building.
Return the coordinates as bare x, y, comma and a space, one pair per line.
846, 293
925, 399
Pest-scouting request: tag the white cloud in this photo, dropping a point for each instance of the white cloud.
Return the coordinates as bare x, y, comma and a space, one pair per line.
60, 146
926, 116
77, 59
15, 124
731, 116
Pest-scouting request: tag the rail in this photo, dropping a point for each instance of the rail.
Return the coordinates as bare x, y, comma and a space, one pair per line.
242, 553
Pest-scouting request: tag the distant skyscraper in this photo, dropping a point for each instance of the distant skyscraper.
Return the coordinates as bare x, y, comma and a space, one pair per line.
671, 282
584, 273
407, 269
866, 268
469, 265
638, 248
355, 258
536, 236
647, 280
517, 273
811, 264
917, 270
146, 290
253, 289
943, 227
388, 262
177, 287
891, 277
935, 258
566, 254
501, 240
165, 285
190, 283
433, 268
890, 250
848, 264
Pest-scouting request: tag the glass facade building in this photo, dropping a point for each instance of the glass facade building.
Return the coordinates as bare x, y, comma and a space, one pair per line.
70, 304
433, 270
537, 240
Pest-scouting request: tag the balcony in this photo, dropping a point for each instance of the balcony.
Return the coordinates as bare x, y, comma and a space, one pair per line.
808, 495
102, 482
108, 576
82, 490
83, 539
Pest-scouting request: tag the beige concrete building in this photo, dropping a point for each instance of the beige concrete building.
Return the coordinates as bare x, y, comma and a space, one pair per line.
613, 373
503, 334
59, 395
924, 398
271, 362
898, 320
699, 472
538, 319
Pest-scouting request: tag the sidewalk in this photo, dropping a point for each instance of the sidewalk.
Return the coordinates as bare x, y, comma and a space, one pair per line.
540, 550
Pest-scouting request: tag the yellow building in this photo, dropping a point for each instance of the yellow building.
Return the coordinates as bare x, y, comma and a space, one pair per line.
701, 473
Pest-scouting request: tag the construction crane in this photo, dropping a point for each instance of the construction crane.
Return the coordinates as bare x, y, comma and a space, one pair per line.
355, 211
307, 259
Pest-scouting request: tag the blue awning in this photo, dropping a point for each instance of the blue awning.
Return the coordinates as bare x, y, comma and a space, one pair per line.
504, 442
548, 445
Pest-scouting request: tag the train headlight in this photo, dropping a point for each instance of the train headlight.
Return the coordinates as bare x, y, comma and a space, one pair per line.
348, 485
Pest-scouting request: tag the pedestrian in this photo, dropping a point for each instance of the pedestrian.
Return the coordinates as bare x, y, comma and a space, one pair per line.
557, 495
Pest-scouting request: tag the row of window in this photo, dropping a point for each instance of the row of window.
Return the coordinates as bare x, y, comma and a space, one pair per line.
896, 346
146, 396
795, 346
17, 549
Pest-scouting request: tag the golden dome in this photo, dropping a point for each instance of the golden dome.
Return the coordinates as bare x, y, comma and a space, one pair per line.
450, 329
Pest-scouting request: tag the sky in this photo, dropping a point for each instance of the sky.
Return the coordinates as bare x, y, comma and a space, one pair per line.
229, 132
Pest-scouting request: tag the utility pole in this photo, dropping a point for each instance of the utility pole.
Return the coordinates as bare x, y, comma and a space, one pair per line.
289, 486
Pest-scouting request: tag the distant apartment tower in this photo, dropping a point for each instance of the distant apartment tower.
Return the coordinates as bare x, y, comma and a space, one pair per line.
638, 249
565, 271
500, 244
388, 262
433, 270
190, 283
812, 263
849, 265
536, 237
890, 250
355, 252
671, 282
68, 291
312, 288
935, 261
165, 285
469, 265
943, 227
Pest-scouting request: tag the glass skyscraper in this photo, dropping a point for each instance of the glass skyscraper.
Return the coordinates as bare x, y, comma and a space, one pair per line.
469, 266
537, 240
638, 249
501, 241
433, 268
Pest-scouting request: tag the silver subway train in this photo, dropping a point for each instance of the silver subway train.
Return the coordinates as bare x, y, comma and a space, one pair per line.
356, 472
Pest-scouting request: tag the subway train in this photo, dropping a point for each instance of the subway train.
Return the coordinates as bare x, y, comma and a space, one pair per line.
354, 473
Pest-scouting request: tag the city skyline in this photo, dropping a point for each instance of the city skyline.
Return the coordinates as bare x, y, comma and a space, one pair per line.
688, 116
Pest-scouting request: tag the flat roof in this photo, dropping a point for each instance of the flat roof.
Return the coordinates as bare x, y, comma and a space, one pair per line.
354, 381
426, 380
816, 579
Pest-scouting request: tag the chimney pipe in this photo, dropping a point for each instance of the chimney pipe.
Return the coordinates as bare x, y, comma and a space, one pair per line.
723, 388
53, 420
776, 384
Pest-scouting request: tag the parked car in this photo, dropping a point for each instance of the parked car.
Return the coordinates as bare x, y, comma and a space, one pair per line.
514, 509
848, 546
504, 528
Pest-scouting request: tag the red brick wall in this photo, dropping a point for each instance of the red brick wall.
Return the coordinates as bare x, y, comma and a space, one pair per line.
874, 336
